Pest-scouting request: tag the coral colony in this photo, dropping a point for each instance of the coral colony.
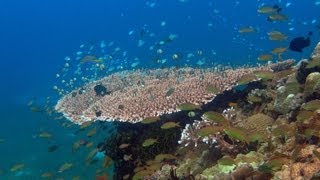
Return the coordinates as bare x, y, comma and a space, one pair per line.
135, 95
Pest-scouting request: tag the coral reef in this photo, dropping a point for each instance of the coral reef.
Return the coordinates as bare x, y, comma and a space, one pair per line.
263, 124
273, 130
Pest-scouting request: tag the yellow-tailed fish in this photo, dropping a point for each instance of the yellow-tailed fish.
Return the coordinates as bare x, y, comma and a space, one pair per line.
267, 10
277, 36
45, 135
17, 167
107, 162
65, 167
279, 50
248, 29
169, 125
92, 132
123, 146
277, 17
265, 57
149, 142
92, 59
46, 175
149, 120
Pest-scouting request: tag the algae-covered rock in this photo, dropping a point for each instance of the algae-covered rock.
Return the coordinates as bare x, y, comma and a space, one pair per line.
218, 171
312, 84
309, 168
311, 105
253, 158
227, 165
288, 98
304, 116
315, 58
306, 67
258, 96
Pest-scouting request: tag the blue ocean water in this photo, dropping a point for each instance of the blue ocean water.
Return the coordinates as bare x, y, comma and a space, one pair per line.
36, 36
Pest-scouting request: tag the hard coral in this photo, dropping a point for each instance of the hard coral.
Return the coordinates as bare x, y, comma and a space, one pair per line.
135, 95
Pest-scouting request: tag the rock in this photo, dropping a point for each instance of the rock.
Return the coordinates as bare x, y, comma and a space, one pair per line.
301, 170
287, 98
312, 85
307, 67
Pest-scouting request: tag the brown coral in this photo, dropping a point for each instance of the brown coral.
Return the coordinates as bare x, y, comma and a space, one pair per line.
257, 123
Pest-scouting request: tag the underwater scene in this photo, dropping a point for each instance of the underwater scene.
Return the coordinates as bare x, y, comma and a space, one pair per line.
160, 90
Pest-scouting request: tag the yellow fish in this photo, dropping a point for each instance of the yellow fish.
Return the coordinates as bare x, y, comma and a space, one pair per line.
76, 146
17, 167
107, 162
90, 156
149, 142
85, 125
92, 59
246, 30
149, 120
267, 10
265, 57
45, 135
277, 17
30, 103
36, 109
127, 157
89, 144
122, 146
277, 36
46, 175
279, 50
169, 125
92, 132
65, 167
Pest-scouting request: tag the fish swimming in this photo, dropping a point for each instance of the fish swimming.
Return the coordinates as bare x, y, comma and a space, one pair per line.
299, 43
269, 9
